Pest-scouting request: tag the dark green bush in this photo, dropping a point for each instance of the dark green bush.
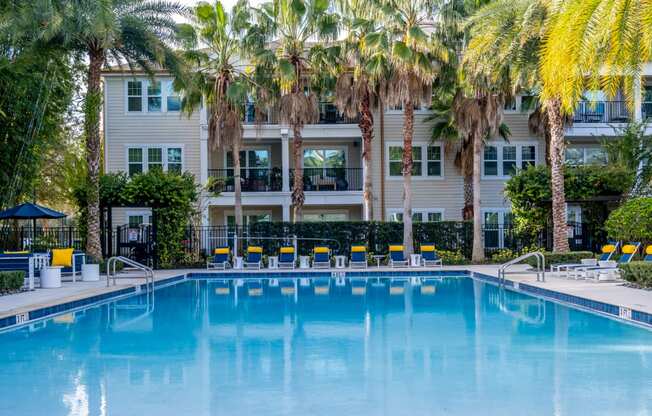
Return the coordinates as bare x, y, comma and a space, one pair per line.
632, 221
562, 258
11, 281
638, 272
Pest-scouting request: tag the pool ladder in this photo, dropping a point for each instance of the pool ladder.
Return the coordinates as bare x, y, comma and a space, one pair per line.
112, 274
541, 266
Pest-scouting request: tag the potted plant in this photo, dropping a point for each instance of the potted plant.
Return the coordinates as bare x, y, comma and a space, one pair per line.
91, 270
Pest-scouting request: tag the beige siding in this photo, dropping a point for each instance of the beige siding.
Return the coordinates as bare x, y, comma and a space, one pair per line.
123, 129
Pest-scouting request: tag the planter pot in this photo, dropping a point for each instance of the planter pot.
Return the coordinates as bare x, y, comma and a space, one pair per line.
90, 272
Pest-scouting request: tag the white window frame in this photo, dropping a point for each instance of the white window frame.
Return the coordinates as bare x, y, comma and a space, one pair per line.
423, 211
327, 147
246, 149
164, 151
519, 158
145, 213
424, 161
145, 82
584, 156
248, 213
501, 224
143, 86
330, 211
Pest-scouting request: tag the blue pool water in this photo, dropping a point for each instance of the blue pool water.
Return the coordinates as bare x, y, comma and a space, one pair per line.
449, 347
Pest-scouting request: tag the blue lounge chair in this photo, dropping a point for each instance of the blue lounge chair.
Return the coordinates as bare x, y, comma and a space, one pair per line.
322, 258
220, 259
429, 256
610, 271
358, 257
608, 251
396, 256
286, 258
30, 263
648, 254
254, 258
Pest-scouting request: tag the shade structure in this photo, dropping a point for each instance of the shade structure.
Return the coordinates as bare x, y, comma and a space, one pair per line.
29, 211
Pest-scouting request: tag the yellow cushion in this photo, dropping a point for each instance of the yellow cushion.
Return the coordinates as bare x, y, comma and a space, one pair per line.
253, 249
16, 252
629, 249
287, 249
395, 248
609, 248
427, 248
358, 249
322, 250
221, 250
648, 250
62, 257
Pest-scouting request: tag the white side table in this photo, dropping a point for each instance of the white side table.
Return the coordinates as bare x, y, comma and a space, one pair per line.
340, 262
237, 262
378, 258
272, 262
415, 260
304, 262
51, 277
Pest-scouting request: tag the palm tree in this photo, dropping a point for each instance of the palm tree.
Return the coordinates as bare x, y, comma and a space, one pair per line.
359, 86
405, 43
213, 46
131, 32
289, 25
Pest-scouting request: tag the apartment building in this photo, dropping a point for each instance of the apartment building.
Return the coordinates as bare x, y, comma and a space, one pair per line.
144, 129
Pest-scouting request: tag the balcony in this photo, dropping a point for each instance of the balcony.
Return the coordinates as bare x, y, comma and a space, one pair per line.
253, 180
330, 179
328, 114
603, 112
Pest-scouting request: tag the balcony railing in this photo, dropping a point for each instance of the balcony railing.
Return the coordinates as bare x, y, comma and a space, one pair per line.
330, 179
252, 180
602, 112
328, 114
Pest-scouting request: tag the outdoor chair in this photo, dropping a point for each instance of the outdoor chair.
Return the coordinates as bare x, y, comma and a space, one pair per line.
254, 259
608, 269
429, 256
608, 251
286, 258
358, 257
397, 257
322, 258
220, 259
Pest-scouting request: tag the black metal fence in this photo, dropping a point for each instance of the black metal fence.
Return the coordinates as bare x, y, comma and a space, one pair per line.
601, 112
40, 238
251, 180
328, 114
330, 179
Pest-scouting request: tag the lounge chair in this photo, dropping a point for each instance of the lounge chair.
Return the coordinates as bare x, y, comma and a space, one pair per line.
254, 258
397, 257
607, 252
30, 263
358, 257
322, 258
608, 269
286, 258
220, 259
429, 257
648, 254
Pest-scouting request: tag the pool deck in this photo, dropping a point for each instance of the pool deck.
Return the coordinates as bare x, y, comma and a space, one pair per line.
608, 292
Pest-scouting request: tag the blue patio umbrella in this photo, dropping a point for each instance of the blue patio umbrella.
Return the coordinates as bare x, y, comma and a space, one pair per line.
30, 211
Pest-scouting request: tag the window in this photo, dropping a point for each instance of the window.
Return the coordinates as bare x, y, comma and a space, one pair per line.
324, 158
503, 160
173, 101
497, 225
418, 215
586, 156
252, 162
155, 158
135, 161
145, 158
249, 219
428, 156
328, 216
154, 97
134, 96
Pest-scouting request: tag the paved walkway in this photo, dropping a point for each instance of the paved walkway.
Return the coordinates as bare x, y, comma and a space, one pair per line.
614, 293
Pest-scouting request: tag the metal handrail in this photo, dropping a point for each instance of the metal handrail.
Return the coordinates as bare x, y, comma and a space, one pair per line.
541, 266
149, 272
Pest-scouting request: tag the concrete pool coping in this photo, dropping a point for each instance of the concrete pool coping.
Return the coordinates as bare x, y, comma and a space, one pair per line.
609, 298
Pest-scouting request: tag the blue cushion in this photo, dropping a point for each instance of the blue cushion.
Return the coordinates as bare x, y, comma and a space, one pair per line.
286, 258
253, 257
397, 255
429, 255
220, 258
321, 257
358, 256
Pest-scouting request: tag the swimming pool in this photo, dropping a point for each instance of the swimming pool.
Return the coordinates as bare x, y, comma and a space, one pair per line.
451, 346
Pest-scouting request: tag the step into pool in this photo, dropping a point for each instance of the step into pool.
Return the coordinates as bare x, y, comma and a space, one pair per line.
399, 346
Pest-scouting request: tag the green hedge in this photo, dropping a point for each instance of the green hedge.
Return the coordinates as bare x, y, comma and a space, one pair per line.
562, 258
638, 272
11, 281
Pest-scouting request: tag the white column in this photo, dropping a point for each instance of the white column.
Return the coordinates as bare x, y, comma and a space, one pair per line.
285, 160
638, 100
286, 211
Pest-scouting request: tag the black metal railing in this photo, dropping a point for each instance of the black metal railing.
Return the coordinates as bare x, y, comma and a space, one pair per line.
328, 114
601, 112
330, 179
251, 180
41, 238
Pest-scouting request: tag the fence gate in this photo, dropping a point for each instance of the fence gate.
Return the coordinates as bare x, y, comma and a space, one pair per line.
136, 243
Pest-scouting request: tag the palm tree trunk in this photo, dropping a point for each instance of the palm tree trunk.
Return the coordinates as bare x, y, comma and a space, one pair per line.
366, 125
557, 148
298, 197
408, 131
92, 107
477, 254
237, 190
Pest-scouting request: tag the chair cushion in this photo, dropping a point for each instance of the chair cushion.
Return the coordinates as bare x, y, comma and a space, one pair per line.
428, 248
254, 249
16, 252
221, 250
629, 248
609, 248
62, 257
289, 250
358, 249
648, 249
322, 250
396, 248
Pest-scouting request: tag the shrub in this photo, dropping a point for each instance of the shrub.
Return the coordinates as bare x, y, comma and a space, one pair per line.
632, 221
11, 281
503, 255
562, 258
638, 272
452, 257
